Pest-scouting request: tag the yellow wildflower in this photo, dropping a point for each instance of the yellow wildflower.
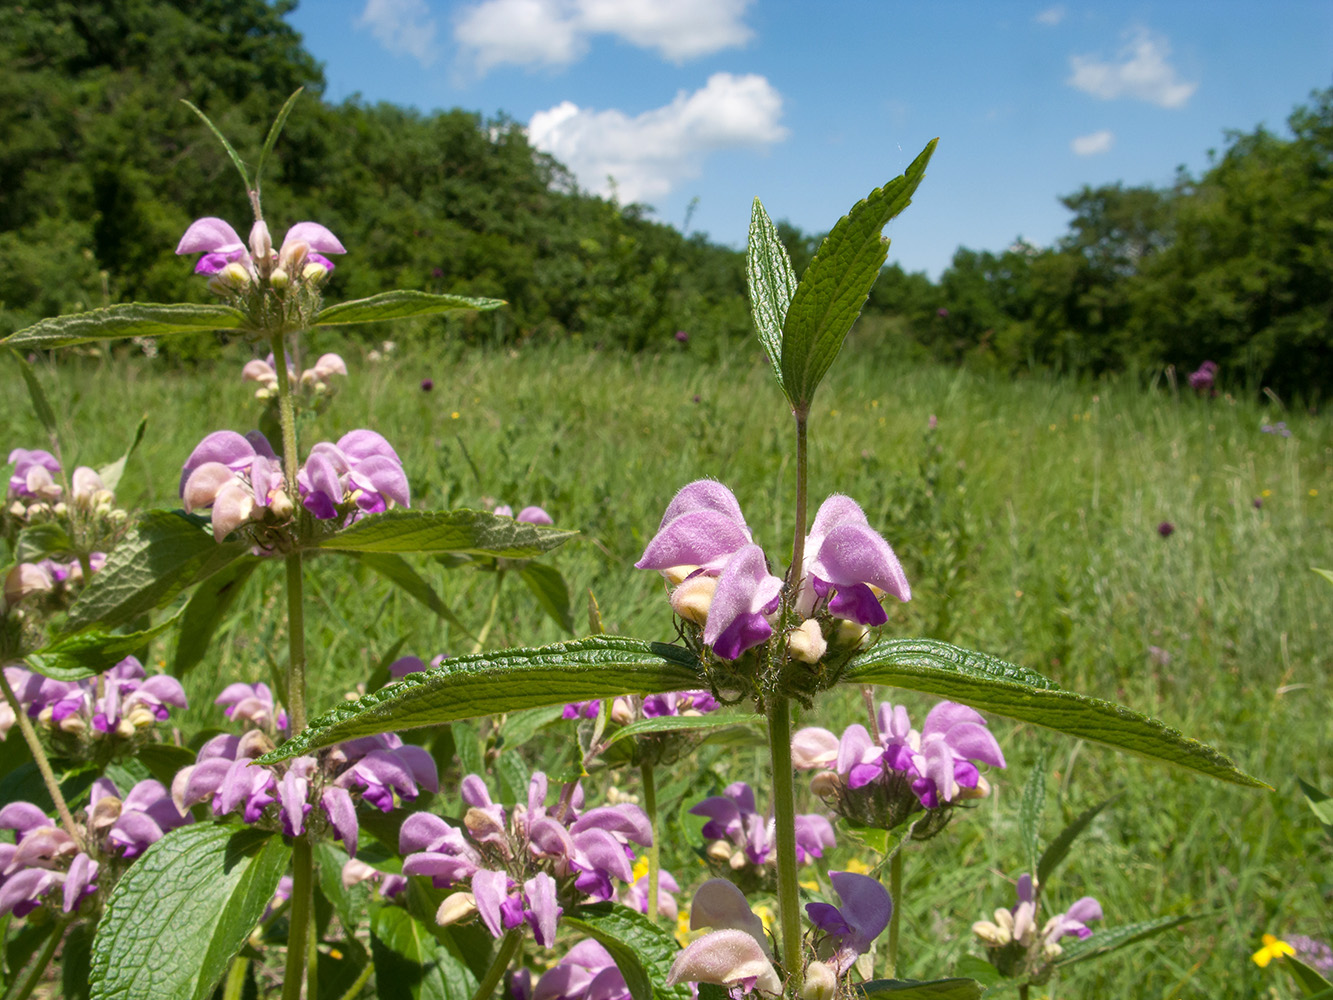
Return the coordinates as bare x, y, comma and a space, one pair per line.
1273, 948
640, 868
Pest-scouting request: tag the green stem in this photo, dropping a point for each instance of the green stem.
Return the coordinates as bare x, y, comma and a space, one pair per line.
303, 871
39, 757
654, 852
490, 614
896, 894
39, 967
355, 989
286, 411
798, 537
784, 815
295, 643
508, 949
1023, 991
234, 985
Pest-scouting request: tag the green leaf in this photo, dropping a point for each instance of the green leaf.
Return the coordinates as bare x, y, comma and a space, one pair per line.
133, 319
882, 842
1059, 847
504, 681
39, 541
399, 571
87, 653
771, 282
972, 967
183, 909
1029, 815
1312, 984
551, 591
411, 964
75, 962
935, 989
835, 285
349, 902
399, 304
235, 157
1103, 942
162, 554
1320, 804
643, 952
1325, 573
40, 405
205, 611
470, 531
683, 724
271, 139
993, 685
164, 760
110, 474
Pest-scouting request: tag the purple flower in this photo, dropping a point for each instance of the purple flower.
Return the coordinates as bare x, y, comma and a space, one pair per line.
133, 824
392, 767
1166, 529
747, 593
701, 529
636, 895
42, 859
1280, 429
682, 337
253, 704
846, 558
1314, 953
427, 384
582, 709
585, 972
1019, 924
305, 242
1203, 379
849, 930
736, 953
362, 468
528, 515
34, 474
746, 837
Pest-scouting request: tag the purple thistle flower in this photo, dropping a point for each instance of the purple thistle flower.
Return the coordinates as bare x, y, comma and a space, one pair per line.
1204, 378
1166, 529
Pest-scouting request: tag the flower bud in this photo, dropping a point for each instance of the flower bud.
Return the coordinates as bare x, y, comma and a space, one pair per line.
692, 599
261, 244
719, 850
60, 510
124, 729
820, 982
456, 906
293, 255
25, 580
281, 505
621, 712
86, 485
254, 743
204, 484
279, 279
104, 814
826, 784
72, 724
234, 276
980, 792
806, 642
17, 509
849, 634
991, 935
676, 575
232, 507
141, 717
314, 273
738, 859
482, 825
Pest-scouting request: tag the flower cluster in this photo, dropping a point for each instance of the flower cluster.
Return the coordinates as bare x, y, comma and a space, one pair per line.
312, 390
1015, 945
119, 704
882, 780
743, 841
527, 864
47, 579
241, 479
631, 708
237, 268
253, 705
723, 584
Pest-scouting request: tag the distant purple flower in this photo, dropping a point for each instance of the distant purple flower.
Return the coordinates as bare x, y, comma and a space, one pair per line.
1204, 378
682, 337
427, 384
1314, 953
1166, 529
1280, 429
849, 930
254, 704
582, 709
528, 515
120, 701
636, 895
1019, 924
1258, 503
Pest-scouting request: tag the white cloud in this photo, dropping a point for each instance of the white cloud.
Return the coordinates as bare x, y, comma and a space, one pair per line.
1094, 143
1051, 16
401, 26
556, 32
645, 156
1140, 70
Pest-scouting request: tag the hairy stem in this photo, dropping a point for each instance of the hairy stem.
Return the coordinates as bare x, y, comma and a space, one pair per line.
303, 872
295, 643
39, 757
784, 814
654, 852
38, 970
503, 956
798, 536
895, 894
491, 614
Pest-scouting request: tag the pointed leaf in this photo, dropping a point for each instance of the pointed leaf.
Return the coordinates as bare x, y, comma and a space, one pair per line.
837, 282
110, 474
87, 653
134, 319
551, 591
504, 681
1059, 847
469, 531
271, 139
399, 571
911, 989
1029, 815
992, 685
411, 964
235, 157
40, 405
183, 909
1320, 804
771, 282
684, 724
399, 304
1311, 982
1110, 939
41, 541
205, 611
161, 555
643, 952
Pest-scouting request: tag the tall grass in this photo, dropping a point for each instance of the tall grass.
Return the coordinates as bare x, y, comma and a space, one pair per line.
1028, 523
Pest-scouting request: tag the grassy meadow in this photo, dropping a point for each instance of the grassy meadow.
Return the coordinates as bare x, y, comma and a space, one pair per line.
1026, 514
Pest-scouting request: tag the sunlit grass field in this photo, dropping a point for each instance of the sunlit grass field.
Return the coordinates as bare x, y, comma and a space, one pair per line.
1029, 516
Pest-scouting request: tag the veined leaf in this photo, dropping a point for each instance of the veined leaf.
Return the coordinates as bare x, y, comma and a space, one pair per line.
205, 610
86, 653
1059, 847
473, 532
1110, 939
552, 593
40, 405
771, 283
411, 964
504, 681
38, 541
399, 304
160, 556
835, 285
133, 319
1029, 815
397, 570
110, 474
643, 952
935, 989
183, 909
683, 724
993, 685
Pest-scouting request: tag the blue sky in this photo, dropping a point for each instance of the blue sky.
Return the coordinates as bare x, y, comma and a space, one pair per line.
809, 106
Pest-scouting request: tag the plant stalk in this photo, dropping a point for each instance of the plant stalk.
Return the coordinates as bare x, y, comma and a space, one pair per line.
484, 632
508, 949
798, 538
298, 932
895, 894
43, 764
784, 815
654, 852
233, 987
38, 969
